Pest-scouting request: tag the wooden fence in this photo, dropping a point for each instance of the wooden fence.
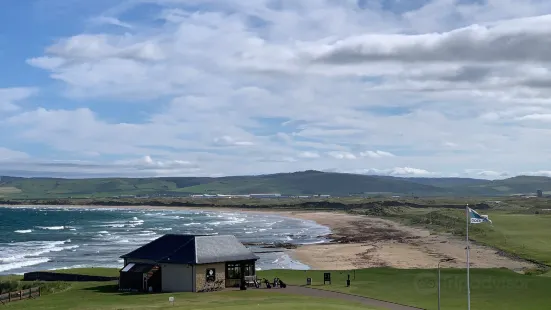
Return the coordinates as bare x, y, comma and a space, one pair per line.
33, 292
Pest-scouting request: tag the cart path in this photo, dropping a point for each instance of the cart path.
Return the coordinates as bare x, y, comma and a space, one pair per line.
312, 292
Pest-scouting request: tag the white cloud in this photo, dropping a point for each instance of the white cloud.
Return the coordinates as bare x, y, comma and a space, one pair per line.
487, 174
9, 97
143, 167
309, 155
544, 173
82, 48
536, 117
397, 171
341, 155
109, 20
242, 83
46, 62
227, 140
376, 154
6, 153
148, 163
450, 144
500, 42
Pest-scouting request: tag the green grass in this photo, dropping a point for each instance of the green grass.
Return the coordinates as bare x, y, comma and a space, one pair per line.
95, 271
96, 295
525, 235
490, 288
9, 190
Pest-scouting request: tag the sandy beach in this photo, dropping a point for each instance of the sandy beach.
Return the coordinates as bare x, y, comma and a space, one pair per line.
362, 241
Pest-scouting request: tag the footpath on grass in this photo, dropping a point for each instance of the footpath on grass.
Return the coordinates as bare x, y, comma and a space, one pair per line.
312, 292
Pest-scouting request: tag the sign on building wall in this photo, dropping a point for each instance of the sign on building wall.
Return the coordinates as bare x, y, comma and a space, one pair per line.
211, 275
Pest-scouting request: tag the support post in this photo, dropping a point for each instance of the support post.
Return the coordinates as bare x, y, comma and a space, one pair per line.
468, 261
438, 285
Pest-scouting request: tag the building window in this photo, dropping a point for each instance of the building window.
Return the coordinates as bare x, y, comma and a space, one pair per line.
249, 269
233, 271
211, 274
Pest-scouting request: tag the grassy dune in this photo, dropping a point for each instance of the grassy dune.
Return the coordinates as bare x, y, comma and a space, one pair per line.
525, 235
520, 233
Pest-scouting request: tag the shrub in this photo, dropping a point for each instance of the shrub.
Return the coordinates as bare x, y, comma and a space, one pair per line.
8, 286
45, 287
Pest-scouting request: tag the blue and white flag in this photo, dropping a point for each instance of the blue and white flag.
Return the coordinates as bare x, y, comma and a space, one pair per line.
476, 218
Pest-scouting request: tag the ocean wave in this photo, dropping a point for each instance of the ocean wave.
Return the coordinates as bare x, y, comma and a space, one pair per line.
136, 220
19, 251
23, 231
52, 227
113, 225
106, 234
314, 242
146, 233
25, 263
162, 228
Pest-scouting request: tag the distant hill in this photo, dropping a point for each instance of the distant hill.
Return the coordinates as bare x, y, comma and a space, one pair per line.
297, 183
447, 182
510, 186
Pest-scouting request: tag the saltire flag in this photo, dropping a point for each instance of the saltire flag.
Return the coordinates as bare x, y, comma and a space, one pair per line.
476, 218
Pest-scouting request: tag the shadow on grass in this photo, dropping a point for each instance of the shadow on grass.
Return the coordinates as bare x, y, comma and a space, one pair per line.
112, 289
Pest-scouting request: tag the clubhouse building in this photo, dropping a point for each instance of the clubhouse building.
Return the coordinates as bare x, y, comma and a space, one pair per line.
186, 263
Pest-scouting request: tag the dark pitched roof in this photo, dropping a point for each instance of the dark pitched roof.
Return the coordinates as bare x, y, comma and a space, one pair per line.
190, 249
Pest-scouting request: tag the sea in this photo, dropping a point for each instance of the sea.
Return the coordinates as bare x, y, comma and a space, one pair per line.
48, 238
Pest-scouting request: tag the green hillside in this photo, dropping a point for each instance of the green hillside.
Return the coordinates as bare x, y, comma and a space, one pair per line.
297, 183
510, 186
447, 182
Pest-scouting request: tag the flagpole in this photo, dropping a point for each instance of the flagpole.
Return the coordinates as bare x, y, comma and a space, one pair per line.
468, 262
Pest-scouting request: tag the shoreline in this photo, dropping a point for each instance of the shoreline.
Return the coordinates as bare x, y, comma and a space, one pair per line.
358, 241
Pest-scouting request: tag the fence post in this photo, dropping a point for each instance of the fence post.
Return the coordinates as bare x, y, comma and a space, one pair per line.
9, 296
39, 291
20, 294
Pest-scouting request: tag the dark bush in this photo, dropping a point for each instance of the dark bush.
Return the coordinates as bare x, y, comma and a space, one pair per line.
8, 286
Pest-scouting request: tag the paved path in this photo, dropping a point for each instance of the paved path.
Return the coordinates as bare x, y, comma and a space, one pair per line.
300, 290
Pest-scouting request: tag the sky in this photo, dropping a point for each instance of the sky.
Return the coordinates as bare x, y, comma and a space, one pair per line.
141, 88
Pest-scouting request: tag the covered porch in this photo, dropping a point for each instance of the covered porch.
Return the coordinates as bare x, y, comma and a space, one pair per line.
237, 271
140, 277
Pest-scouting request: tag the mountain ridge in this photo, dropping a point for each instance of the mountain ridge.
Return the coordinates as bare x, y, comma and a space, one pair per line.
309, 182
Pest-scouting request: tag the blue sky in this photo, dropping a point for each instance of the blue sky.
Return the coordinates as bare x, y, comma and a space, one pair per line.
208, 88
